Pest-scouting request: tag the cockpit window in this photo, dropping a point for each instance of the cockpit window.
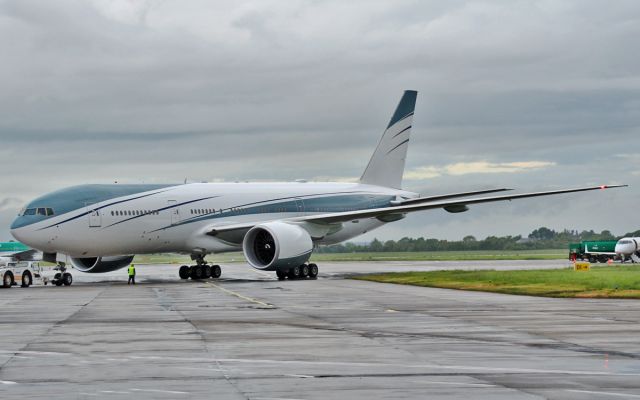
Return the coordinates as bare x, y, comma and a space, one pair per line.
45, 211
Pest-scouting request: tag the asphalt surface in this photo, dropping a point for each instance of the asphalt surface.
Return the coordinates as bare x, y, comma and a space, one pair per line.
249, 336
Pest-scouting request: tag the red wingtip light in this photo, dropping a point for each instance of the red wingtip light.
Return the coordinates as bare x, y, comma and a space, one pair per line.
603, 187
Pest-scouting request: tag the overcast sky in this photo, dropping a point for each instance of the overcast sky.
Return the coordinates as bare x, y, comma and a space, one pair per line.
524, 94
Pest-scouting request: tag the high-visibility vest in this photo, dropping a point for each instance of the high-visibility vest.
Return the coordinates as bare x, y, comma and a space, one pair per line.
132, 270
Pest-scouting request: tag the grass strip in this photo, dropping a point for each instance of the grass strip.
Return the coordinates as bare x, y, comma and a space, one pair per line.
599, 282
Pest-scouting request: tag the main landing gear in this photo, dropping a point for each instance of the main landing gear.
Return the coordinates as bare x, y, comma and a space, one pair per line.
201, 270
303, 271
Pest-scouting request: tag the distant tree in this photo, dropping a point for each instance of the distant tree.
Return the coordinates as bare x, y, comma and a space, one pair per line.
542, 234
375, 245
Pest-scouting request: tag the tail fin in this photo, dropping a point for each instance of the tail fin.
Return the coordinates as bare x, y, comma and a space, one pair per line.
386, 165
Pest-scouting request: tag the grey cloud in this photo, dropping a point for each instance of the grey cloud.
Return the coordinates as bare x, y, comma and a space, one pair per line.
156, 91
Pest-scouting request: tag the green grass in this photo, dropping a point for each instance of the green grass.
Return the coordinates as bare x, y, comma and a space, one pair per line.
554, 254
599, 282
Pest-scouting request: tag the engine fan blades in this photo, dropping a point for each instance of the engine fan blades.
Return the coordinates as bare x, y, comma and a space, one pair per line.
264, 247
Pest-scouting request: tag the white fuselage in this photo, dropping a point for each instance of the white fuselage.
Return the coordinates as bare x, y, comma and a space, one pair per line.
176, 218
628, 246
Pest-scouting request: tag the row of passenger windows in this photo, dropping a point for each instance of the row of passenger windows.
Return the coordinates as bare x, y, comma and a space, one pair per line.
46, 211
124, 213
197, 211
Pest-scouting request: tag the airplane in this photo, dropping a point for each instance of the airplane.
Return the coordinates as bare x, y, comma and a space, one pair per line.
627, 249
100, 228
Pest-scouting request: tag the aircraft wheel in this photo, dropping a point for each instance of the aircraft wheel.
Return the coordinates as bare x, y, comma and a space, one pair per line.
282, 275
57, 279
7, 279
313, 271
196, 272
67, 279
304, 271
216, 271
294, 272
27, 280
206, 271
184, 272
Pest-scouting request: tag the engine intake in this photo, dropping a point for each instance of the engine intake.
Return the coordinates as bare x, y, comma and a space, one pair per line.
276, 246
101, 264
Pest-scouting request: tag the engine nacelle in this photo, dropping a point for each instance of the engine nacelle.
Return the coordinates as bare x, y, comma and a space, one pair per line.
101, 264
276, 246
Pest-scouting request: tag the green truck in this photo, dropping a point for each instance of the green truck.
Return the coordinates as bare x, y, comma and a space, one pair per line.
594, 251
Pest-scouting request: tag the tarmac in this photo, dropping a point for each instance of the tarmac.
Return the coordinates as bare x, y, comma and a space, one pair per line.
249, 336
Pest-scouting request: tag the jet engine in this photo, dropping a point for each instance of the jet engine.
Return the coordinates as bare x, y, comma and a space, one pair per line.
101, 264
276, 246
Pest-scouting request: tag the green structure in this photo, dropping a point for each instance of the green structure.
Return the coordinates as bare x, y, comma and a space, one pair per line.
12, 247
594, 251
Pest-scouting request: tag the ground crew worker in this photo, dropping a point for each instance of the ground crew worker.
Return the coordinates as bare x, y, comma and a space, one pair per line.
132, 274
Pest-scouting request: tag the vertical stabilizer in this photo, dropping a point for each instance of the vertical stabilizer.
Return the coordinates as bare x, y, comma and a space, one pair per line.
387, 163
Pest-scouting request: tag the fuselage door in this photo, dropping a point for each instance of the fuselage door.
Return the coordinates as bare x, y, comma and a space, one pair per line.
95, 219
173, 211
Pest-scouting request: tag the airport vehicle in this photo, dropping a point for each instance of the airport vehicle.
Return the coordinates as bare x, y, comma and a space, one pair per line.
30, 272
594, 251
99, 228
628, 248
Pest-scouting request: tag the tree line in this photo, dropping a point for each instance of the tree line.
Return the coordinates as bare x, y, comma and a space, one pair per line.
541, 238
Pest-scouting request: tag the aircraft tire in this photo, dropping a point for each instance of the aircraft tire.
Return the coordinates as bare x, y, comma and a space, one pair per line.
184, 272
206, 271
196, 272
216, 271
294, 272
304, 271
67, 279
313, 271
57, 279
282, 275
7, 279
27, 280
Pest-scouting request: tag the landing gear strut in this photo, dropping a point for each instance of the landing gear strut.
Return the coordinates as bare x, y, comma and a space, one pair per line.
201, 270
303, 271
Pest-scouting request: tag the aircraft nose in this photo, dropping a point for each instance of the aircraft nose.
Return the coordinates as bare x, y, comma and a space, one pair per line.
16, 224
623, 249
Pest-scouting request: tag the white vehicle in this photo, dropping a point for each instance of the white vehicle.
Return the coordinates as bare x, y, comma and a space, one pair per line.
99, 228
28, 273
628, 249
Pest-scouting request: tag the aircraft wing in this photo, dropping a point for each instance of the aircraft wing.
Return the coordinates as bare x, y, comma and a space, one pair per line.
447, 196
451, 206
458, 205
